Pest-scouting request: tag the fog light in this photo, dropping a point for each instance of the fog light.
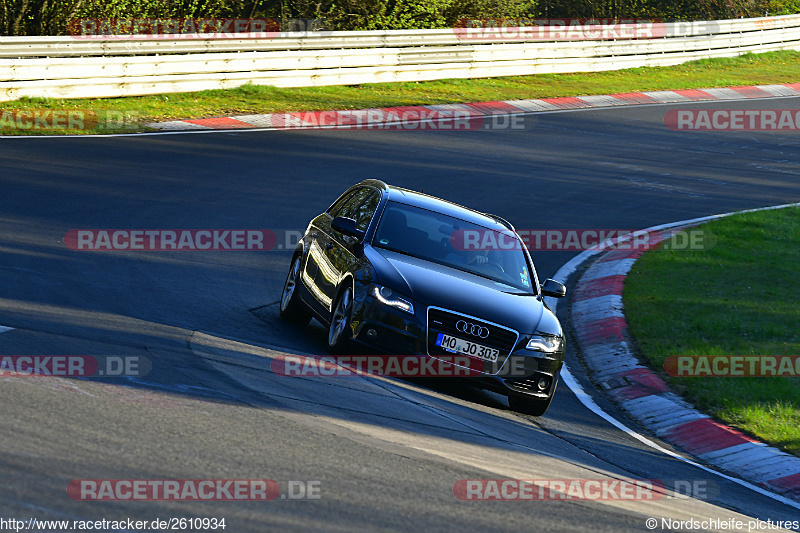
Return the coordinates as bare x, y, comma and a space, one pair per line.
371, 333
543, 383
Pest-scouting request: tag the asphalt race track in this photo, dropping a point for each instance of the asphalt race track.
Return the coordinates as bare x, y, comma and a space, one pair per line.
385, 454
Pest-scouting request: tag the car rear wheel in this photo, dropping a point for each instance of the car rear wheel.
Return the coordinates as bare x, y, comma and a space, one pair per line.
292, 309
339, 330
531, 406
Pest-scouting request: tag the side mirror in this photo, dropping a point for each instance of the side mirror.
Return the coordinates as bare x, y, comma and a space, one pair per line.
347, 226
553, 288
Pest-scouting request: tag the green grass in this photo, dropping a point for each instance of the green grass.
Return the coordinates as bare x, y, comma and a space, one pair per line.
740, 297
749, 69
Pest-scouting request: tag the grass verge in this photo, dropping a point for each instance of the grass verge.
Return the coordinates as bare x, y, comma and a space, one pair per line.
740, 297
748, 69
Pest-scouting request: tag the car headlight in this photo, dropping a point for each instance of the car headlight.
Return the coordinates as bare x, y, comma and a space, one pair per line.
543, 344
388, 297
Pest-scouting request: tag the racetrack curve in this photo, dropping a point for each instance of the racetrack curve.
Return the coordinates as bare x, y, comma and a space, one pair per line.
386, 453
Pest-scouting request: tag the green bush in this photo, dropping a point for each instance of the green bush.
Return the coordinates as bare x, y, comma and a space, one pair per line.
387, 14
783, 7
45, 17
666, 10
50, 17
419, 14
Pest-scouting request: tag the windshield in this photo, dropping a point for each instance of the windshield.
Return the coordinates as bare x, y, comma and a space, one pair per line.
455, 243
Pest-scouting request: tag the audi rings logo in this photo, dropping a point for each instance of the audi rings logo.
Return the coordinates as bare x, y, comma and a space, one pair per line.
473, 329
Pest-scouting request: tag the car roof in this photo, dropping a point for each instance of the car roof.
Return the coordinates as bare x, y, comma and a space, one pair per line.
432, 203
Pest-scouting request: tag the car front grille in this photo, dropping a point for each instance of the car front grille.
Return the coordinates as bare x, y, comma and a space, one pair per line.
444, 321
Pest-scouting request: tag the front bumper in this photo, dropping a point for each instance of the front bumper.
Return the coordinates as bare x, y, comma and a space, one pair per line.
395, 332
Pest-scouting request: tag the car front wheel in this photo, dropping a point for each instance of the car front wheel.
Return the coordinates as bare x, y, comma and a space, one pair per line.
339, 330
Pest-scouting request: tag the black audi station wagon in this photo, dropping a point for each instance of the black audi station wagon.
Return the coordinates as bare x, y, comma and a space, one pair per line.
406, 273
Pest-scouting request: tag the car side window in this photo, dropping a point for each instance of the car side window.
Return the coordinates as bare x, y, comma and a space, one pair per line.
337, 206
350, 208
365, 211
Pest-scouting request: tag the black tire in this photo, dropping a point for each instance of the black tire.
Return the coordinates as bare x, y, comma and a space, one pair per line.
292, 309
531, 406
339, 330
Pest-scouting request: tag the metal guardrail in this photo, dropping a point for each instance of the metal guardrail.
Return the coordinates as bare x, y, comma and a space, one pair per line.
79, 67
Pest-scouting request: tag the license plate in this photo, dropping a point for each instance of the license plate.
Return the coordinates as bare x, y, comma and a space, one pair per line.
463, 346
